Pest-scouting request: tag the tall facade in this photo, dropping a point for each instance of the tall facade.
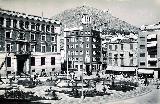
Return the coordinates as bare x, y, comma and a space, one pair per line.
149, 51
83, 46
28, 44
122, 54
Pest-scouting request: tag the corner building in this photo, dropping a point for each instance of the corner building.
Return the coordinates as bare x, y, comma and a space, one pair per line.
83, 46
28, 44
149, 51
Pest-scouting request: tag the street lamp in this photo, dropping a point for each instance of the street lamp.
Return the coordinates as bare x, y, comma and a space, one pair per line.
82, 96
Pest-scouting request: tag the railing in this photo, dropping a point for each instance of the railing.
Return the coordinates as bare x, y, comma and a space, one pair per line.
22, 52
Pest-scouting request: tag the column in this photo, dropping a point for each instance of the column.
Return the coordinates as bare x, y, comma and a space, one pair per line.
27, 66
18, 24
11, 23
4, 22
40, 28
29, 26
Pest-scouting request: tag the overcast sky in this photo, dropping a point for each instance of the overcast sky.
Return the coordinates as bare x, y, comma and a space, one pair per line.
135, 12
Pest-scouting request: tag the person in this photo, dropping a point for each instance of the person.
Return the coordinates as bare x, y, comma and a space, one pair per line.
1, 79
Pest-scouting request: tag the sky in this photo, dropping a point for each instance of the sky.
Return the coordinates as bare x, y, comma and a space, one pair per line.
135, 12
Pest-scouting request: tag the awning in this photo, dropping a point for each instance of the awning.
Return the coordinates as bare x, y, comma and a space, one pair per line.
152, 44
118, 68
152, 59
145, 71
151, 36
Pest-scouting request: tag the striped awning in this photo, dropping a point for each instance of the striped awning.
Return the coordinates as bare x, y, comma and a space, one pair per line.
145, 71
118, 68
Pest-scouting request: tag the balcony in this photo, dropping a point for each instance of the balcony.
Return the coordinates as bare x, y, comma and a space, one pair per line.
21, 52
152, 59
151, 44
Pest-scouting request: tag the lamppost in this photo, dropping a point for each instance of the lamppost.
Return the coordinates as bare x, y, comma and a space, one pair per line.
82, 96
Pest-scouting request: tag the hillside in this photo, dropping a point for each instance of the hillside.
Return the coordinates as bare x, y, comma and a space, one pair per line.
72, 18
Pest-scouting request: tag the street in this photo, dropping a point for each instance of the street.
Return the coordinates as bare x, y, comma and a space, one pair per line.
151, 98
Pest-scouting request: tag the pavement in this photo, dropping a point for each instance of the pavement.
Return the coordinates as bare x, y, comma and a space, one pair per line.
150, 98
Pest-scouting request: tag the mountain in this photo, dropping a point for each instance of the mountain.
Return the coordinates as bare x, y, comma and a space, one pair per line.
72, 18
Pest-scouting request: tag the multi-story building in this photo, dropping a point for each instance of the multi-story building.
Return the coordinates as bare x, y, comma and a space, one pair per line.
122, 54
149, 51
28, 44
83, 46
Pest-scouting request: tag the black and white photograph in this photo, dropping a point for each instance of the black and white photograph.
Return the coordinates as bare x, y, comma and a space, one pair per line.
79, 51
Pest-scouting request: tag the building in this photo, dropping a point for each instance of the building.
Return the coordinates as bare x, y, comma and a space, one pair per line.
122, 54
149, 51
83, 46
28, 44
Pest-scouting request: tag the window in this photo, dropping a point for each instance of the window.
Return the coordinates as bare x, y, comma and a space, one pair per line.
32, 36
8, 22
32, 26
8, 47
8, 61
76, 66
110, 54
142, 54
47, 28
153, 56
76, 53
81, 59
93, 59
142, 63
42, 60
121, 46
53, 39
76, 39
53, 69
110, 61
21, 24
131, 62
1, 20
81, 66
153, 63
72, 46
87, 52
87, 45
76, 45
116, 62
110, 47
93, 45
33, 48
21, 36
131, 46
43, 38
76, 59
43, 48
8, 35
115, 47
52, 29
52, 60
43, 27
87, 38
81, 52
68, 40
26, 24
32, 61
142, 38
81, 45
54, 48
14, 23
122, 62
142, 46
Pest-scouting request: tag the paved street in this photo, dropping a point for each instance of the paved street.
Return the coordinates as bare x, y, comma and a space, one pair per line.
151, 98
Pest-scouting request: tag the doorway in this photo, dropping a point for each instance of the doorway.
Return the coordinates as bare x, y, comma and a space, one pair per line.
20, 66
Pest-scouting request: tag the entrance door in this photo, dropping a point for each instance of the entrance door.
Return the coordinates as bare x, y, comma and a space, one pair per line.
20, 66
88, 70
